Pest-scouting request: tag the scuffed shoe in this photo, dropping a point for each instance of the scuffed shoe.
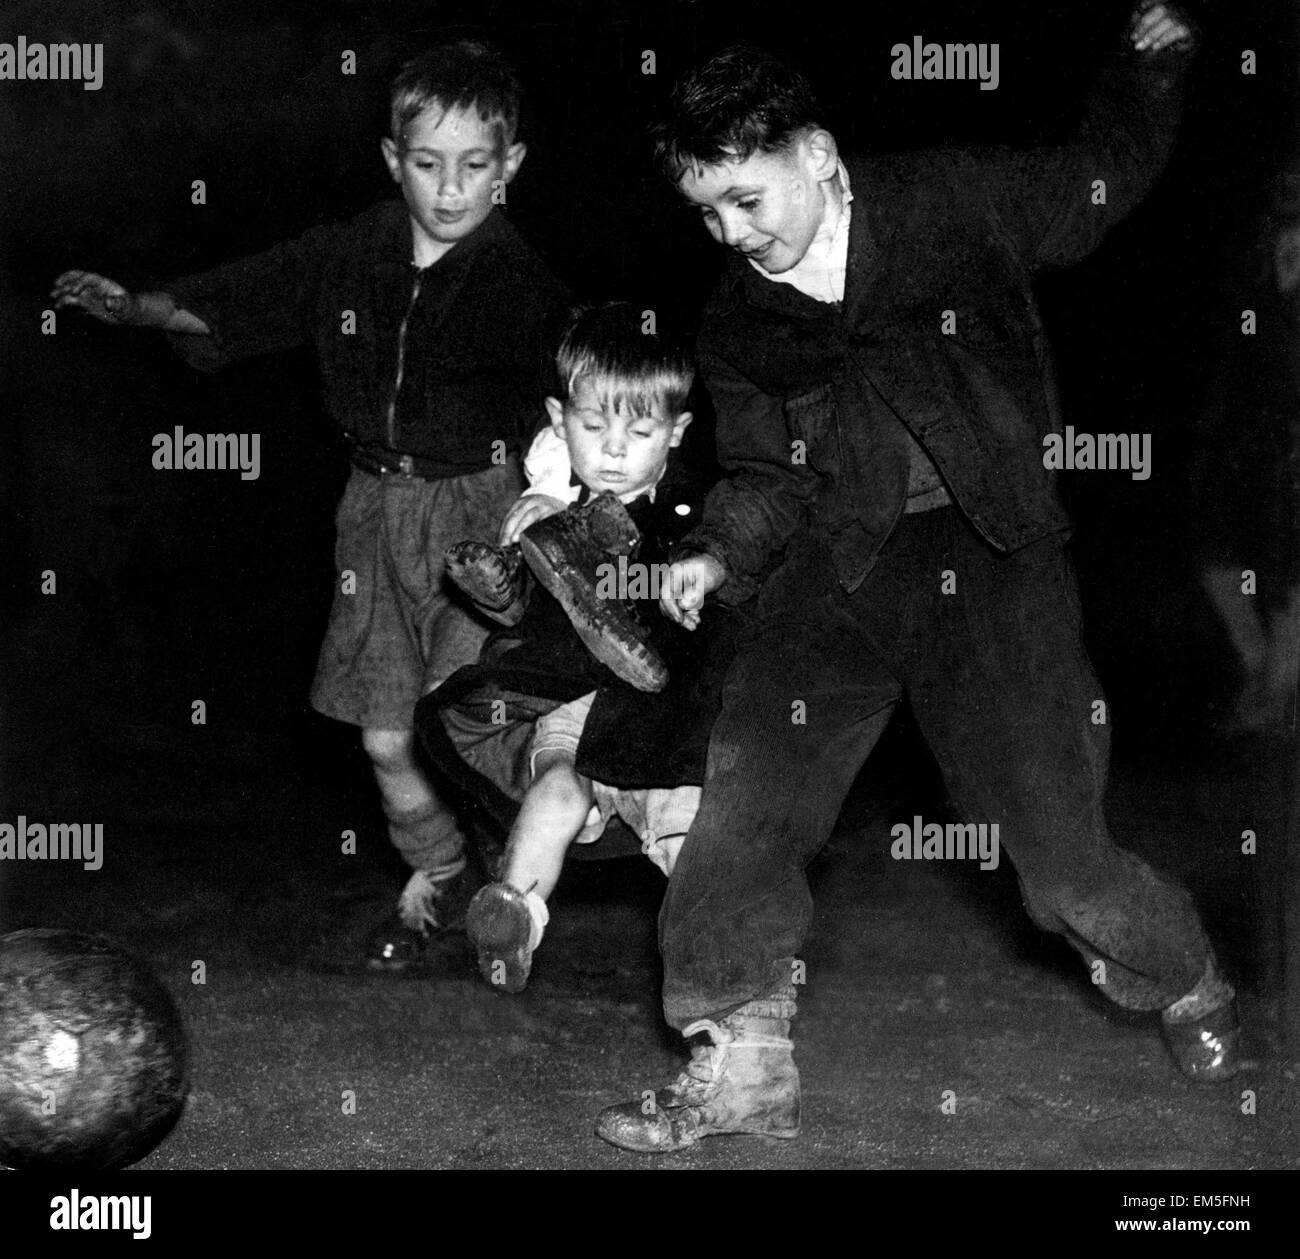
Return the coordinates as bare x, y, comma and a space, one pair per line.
492, 577
425, 910
741, 1080
500, 928
1207, 1049
564, 553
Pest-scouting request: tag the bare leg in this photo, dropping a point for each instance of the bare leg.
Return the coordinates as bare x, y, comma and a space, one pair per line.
550, 819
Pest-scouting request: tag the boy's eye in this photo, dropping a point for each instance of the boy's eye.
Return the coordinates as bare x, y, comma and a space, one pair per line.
749, 205
707, 212
477, 165
643, 434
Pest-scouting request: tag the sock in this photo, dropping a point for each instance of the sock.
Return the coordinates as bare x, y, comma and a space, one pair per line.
540, 916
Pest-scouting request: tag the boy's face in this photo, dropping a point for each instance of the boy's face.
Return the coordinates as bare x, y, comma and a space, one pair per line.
614, 450
769, 206
448, 163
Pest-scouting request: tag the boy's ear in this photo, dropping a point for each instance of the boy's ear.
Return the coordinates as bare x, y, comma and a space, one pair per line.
555, 410
823, 153
514, 159
679, 427
391, 158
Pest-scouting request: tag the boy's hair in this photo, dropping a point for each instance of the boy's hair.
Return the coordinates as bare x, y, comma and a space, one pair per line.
645, 372
460, 73
741, 101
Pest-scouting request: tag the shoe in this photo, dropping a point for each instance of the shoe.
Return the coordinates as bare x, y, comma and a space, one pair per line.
500, 928
425, 910
492, 577
741, 1080
1207, 1049
564, 553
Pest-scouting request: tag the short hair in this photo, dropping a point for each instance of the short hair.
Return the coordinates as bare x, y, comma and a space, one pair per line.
457, 74
644, 372
739, 102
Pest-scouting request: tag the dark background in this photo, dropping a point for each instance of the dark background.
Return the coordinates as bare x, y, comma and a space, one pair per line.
222, 840
174, 587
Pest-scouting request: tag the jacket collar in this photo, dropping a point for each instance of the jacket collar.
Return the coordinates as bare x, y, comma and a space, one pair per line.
394, 244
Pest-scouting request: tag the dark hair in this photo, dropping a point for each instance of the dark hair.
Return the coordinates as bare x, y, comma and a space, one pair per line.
457, 74
608, 346
741, 101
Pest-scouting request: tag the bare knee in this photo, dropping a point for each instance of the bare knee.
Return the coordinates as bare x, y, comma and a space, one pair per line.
559, 782
390, 751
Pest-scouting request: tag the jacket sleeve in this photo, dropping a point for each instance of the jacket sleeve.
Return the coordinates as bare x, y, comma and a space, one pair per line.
1048, 200
257, 305
751, 514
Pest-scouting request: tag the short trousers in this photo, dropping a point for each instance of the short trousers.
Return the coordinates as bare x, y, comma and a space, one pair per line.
397, 629
653, 813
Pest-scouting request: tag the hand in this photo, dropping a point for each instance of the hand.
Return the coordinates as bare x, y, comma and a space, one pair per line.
1156, 27
97, 295
527, 510
689, 582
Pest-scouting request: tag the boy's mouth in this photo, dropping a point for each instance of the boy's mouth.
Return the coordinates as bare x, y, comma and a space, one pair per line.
449, 216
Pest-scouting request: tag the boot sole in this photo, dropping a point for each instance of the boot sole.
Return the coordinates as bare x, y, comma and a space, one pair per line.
637, 665
500, 940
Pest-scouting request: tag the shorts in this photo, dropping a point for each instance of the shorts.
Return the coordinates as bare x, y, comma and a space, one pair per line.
654, 814
397, 629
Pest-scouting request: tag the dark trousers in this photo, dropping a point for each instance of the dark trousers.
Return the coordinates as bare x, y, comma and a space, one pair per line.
1004, 694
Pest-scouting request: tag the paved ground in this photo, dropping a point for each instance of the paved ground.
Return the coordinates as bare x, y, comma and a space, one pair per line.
221, 845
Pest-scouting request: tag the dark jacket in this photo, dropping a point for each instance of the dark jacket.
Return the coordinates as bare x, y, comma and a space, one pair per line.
631, 739
471, 332
931, 232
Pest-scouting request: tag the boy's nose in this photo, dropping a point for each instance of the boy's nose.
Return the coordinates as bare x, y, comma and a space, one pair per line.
734, 230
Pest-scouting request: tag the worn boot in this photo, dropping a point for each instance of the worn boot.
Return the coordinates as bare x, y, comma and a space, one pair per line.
505, 932
741, 1080
1202, 1032
492, 576
565, 552
428, 907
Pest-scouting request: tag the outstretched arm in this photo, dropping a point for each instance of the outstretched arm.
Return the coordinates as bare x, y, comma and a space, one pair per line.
111, 303
1057, 203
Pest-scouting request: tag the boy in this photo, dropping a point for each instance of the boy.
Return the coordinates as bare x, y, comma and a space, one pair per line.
587, 743
877, 365
428, 319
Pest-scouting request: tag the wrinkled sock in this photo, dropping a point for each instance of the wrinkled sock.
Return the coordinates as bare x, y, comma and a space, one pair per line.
540, 916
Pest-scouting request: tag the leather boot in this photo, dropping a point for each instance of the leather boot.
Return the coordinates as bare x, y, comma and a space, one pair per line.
564, 552
492, 576
741, 1080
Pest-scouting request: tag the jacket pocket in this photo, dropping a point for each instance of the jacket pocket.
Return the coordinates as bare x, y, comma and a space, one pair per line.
813, 423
